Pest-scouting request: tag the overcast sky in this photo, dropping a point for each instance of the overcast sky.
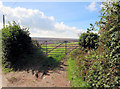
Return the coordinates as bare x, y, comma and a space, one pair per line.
52, 19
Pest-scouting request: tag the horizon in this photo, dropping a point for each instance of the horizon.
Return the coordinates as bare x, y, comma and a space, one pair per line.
53, 38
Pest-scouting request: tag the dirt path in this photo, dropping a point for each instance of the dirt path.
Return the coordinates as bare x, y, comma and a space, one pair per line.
57, 78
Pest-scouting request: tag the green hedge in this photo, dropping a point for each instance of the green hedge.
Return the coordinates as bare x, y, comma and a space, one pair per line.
89, 40
15, 42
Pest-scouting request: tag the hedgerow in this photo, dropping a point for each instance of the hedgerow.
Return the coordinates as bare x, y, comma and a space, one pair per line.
15, 42
101, 67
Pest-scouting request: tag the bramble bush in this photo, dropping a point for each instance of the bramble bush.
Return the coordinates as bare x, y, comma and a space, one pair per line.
15, 42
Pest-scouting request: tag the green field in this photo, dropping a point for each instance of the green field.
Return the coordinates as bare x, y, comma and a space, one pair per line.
51, 48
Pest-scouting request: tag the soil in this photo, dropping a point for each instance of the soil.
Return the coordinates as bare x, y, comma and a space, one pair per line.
56, 78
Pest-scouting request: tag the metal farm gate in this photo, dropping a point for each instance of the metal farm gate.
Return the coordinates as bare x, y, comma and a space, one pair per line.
58, 47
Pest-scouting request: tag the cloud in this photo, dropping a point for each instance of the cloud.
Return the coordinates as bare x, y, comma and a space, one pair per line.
39, 24
28, 17
60, 31
62, 27
92, 6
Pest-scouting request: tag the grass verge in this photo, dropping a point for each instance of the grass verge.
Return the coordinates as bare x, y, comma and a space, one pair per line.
76, 81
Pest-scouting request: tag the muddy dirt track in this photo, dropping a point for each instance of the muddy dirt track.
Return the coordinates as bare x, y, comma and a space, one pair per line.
57, 78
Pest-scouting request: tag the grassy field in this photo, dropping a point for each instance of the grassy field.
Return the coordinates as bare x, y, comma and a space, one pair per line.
50, 47
58, 50
58, 53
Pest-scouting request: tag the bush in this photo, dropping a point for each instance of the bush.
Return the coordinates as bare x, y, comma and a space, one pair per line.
15, 42
89, 40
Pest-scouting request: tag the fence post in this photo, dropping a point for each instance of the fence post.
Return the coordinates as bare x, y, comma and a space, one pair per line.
46, 47
65, 47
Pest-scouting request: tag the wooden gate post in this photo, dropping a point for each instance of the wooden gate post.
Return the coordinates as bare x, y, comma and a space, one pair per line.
65, 47
46, 47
